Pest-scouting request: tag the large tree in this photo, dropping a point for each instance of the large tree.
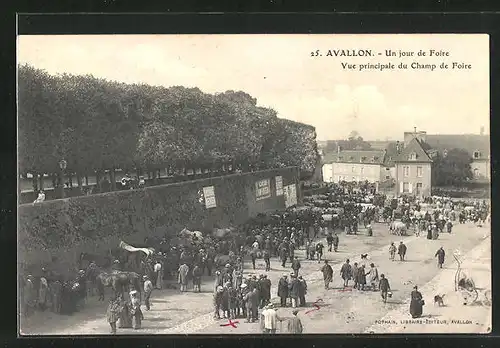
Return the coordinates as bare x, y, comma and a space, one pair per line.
454, 169
354, 142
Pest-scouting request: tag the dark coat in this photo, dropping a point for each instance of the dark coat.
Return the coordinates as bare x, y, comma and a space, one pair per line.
401, 249
384, 284
282, 288
416, 305
440, 254
295, 265
294, 288
252, 299
265, 289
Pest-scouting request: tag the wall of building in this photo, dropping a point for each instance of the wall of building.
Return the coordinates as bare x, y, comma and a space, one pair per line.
413, 178
351, 171
93, 224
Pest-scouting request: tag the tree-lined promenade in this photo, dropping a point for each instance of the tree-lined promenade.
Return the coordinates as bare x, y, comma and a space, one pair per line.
80, 126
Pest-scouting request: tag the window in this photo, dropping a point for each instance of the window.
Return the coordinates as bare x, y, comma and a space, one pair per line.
445, 153
354, 169
419, 172
353, 178
419, 187
406, 171
363, 159
477, 154
387, 176
413, 156
476, 173
362, 170
340, 158
375, 158
387, 169
406, 187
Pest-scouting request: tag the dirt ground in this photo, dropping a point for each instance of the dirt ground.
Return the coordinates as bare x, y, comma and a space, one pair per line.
340, 311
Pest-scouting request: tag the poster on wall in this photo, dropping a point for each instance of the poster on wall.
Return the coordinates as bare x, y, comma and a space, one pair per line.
262, 189
279, 186
290, 195
209, 194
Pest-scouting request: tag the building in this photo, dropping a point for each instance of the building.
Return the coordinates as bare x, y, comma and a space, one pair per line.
477, 145
355, 165
413, 165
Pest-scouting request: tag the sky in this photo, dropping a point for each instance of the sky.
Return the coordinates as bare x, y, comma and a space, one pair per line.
279, 71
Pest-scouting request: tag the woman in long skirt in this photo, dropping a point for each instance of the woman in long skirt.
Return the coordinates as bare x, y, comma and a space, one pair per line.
125, 320
416, 304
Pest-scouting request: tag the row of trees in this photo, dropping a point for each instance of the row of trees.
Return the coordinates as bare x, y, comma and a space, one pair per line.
353, 142
452, 169
98, 125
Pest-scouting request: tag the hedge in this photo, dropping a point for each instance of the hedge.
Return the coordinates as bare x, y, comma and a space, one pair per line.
66, 227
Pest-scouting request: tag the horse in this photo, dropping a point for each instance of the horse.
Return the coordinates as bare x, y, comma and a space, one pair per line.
118, 281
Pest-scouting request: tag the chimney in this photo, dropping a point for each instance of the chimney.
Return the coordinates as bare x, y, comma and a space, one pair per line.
398, 147
338, 149
482, 130
415, 130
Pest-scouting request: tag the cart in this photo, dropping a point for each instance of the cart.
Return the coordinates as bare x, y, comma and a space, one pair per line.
464, 284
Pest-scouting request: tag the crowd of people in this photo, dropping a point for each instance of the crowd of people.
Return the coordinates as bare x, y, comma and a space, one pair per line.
187, 257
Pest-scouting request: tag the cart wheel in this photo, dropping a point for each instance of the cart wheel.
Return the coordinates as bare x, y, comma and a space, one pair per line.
469, 297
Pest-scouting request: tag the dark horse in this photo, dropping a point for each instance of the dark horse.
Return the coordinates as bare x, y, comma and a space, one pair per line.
118, 281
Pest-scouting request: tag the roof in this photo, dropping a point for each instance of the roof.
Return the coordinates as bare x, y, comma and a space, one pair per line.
416, 147
468, 142
355, 156
391, 154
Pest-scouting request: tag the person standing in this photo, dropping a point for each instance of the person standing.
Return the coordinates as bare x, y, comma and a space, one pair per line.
302, 292
253, 255
294, 290
369, 230
29, 295
148, 289
218, 298
252, 302
355, 270
440, 257
449, 226
183, 276
269, 319
392, 251
329, 241
55, 291
295, 324
384, 287
265, 291
373, 277
335, 242
401, 251
283, 290
125, 320
267, 259
113, 313
43, 293
135, 309
416, 303
159, 274
296, 266
197, 273
361, 277
327, 271
319, 251
346, 273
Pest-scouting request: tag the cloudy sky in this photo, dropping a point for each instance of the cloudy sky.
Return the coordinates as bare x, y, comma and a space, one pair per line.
279, 71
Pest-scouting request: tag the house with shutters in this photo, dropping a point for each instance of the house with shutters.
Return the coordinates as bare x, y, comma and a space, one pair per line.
355, 165
413, 165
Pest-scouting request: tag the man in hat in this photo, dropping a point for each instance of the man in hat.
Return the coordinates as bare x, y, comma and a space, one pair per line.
319, 251
329, 241
335, 242
218, 299
392, 251
283, 290
267, 259
401, 251
384, 287
295, 324
183, 276
327, 271
135, 310
296, 266
148, 289
159, 274
43, 291
373, 277
265, 291
346, 273
113, 313
253, 255
440, 254
294, 290
302, 292
197, 273
252, 302
269, 319
29, 295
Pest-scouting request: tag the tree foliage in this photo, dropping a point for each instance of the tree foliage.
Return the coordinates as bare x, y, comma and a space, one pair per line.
353, 142
454, 169
97, 125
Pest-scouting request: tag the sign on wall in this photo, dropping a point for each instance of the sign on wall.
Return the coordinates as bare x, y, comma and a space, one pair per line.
209, 194
262, 189
290, 195
279, 185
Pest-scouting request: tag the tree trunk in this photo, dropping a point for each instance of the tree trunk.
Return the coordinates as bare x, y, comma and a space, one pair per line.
41, 182
70, 177
54, 180
79, 181
98, 181
34, 181
86, 180
112, 179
